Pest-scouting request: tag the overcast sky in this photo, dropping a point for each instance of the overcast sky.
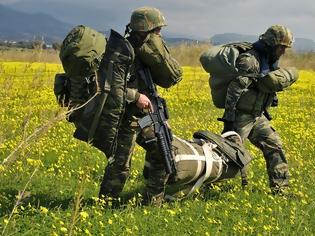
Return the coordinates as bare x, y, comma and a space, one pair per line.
192, 18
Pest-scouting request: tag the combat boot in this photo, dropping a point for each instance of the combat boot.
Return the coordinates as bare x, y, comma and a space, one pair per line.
153, 200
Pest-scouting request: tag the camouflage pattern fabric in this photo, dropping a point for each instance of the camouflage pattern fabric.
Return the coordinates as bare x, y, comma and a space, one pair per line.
118, 169
278, 35
116, 173
146, 19
259, 131
238, 95
245, 104
115, 67
157, 177
247, 95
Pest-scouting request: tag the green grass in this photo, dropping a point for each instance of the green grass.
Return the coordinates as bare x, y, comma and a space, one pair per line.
61, 175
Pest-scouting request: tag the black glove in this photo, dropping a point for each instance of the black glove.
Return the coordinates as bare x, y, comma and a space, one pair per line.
227, 125
275, 101
75, 115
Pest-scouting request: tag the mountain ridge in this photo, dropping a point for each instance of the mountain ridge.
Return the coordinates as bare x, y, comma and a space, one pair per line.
20, 26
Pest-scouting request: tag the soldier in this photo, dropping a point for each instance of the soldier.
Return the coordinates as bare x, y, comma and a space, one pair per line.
248, 99
143, 32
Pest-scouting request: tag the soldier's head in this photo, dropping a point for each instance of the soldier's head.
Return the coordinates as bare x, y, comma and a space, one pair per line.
278, 38
145, 20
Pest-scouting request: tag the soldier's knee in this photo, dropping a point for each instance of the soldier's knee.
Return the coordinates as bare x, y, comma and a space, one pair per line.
118, 169
266, 140
280, 170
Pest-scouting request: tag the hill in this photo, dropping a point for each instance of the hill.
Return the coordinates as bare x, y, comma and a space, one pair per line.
20, 26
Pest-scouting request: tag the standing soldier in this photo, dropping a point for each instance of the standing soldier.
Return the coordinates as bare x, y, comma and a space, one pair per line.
248, 99
143, 33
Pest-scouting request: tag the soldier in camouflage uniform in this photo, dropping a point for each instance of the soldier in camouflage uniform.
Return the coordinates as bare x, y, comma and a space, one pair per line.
144, 21
247, 101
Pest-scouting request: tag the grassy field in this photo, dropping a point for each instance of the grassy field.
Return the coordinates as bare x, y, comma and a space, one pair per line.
49, 180
185, 54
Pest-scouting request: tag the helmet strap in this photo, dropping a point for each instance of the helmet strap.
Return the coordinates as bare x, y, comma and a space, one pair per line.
127, 31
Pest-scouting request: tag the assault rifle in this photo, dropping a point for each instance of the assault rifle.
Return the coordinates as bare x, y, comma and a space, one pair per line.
158, 118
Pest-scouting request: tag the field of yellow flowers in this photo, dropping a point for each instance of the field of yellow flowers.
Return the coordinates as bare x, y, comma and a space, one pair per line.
49, 181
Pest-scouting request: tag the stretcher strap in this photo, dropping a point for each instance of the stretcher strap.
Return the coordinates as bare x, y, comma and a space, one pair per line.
207, 149
198, 171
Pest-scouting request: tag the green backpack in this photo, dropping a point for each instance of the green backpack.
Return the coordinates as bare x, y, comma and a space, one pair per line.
80, 54
81, 51
155, 54
220, 62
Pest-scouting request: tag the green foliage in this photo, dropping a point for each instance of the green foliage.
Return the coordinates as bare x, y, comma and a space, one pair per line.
61, 175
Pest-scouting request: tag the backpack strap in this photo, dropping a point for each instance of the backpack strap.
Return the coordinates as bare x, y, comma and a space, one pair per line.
241, 46
102, 93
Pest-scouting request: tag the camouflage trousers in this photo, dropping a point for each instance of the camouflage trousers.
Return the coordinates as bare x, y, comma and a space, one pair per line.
260, 133
118, 168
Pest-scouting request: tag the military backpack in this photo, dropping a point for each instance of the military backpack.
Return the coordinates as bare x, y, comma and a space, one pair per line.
220, 62
80, 54
155, 54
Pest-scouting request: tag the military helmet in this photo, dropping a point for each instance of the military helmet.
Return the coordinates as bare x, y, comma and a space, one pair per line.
146, 19
277, 35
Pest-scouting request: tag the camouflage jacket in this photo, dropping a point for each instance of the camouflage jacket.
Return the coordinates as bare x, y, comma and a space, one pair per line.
254, 95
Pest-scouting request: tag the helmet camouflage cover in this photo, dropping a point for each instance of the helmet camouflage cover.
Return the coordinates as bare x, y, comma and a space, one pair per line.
278, 35
146, 19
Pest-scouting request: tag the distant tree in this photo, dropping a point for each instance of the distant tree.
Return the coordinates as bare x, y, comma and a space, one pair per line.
38, 44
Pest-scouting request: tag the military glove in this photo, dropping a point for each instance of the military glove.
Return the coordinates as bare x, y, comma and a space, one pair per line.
75, 115
227, 125
275, 101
